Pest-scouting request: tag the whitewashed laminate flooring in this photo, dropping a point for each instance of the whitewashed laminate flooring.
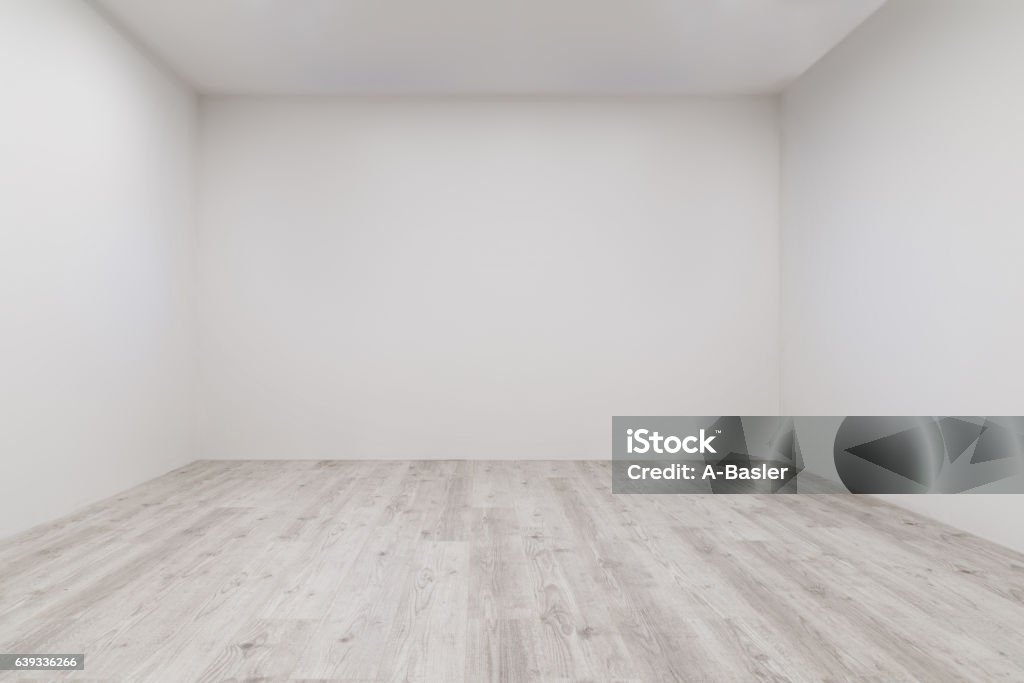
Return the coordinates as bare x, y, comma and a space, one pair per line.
480, 571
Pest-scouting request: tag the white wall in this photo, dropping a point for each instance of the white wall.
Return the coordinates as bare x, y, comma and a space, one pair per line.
96, 255
903, 228
482, 278
495, 278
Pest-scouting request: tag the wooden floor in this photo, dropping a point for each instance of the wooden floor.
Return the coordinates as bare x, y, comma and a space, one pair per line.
502, 571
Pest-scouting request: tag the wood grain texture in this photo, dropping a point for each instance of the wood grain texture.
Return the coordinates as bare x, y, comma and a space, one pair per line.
455, 571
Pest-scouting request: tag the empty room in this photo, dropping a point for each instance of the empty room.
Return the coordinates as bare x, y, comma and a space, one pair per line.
463, 341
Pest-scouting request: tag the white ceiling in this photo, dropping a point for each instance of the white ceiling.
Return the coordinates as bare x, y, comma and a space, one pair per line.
489, 46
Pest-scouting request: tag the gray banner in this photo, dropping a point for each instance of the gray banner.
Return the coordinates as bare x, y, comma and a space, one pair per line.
786, 454
45, 662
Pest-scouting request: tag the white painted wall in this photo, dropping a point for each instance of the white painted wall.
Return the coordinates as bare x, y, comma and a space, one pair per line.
482, 278
903, 228
96, 258
494, 278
